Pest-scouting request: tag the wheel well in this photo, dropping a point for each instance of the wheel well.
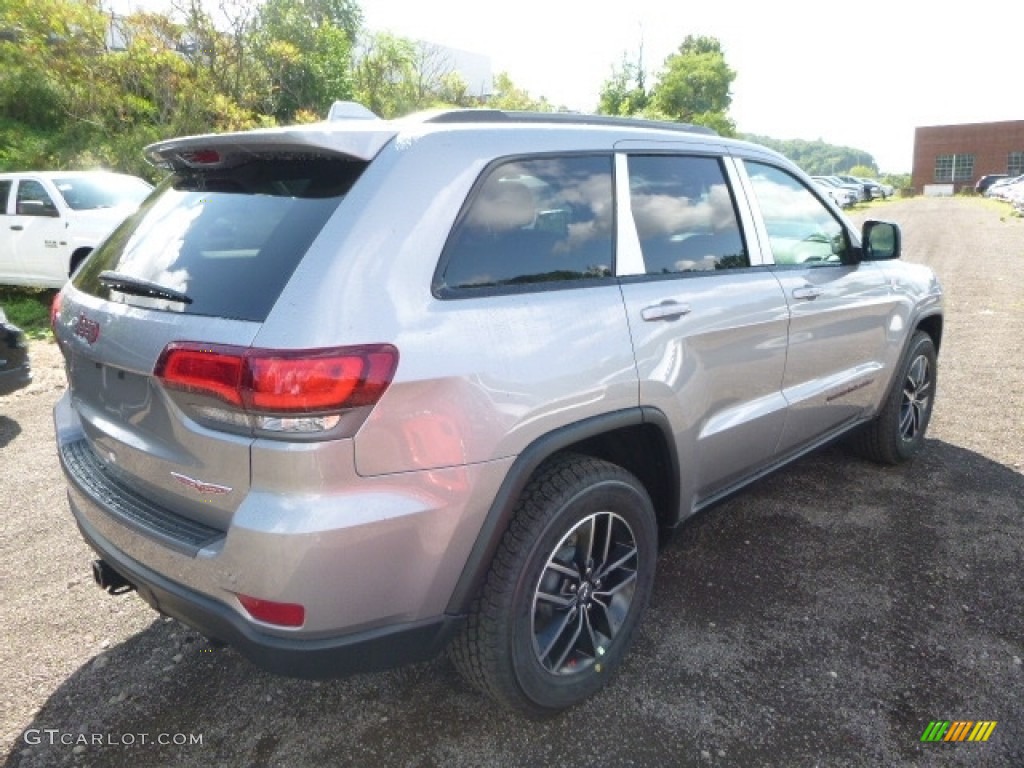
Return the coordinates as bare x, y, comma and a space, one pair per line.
641, 449
77, 258
932, 325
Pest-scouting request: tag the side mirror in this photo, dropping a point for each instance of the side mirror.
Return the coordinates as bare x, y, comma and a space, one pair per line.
880, 241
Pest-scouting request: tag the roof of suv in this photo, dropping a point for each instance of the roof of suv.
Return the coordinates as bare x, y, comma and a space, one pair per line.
363, 138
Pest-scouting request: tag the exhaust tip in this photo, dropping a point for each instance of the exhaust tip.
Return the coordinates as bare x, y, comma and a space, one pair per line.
110, 580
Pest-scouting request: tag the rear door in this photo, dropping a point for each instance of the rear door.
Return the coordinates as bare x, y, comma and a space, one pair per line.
708, 319
839, 308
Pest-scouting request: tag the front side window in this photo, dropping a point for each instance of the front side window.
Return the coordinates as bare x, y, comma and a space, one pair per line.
533, 221
5, 192
685, 215
950, 168
225, 239
801, 230
33, 200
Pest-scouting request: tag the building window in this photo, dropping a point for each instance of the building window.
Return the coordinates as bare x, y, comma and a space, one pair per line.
954, 168
1015, 163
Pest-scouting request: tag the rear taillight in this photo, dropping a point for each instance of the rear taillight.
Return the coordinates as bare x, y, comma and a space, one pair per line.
55, 310
278, 390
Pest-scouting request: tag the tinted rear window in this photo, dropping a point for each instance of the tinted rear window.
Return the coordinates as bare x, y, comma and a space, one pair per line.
229, 238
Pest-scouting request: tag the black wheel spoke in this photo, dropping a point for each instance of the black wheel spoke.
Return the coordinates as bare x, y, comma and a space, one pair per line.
612, 568
570, 645
562, 601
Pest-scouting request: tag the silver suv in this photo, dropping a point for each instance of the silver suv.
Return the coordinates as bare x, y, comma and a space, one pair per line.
343, 395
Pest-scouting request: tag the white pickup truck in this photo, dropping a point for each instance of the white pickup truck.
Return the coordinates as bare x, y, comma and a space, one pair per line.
51, 220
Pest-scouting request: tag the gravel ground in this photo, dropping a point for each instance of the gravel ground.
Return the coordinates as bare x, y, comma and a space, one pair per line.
822, 617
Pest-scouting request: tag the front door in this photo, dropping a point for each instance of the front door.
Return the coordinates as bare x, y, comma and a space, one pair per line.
839, 308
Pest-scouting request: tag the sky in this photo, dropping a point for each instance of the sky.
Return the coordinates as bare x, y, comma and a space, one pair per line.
860, 74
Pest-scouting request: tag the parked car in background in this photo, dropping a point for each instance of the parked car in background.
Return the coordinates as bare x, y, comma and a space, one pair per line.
871, 189
51, 220
15, 368
878, 189
982, 185
842, 196
857, 189
1001, 188
888, 190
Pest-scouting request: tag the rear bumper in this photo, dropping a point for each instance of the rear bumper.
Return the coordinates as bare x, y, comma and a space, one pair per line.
368, 651
374, 561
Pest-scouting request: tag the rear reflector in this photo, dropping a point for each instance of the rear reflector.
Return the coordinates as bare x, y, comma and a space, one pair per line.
281, 382
282, 614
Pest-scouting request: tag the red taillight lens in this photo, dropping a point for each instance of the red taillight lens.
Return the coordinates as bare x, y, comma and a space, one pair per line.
55, 310
282, 614
203, 371
280, 381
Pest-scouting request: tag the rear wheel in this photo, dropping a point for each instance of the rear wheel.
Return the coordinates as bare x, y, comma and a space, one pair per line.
568, 584
897, 432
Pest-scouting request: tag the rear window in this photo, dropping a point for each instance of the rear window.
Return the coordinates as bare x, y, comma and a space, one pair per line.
228, 239
533, 223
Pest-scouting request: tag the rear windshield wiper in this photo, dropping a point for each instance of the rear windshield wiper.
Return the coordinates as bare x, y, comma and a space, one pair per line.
139, 287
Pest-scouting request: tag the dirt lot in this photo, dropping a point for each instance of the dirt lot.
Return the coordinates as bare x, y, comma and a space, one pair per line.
822, 617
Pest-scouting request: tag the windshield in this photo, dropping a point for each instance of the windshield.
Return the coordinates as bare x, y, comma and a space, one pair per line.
87, 193
228, 239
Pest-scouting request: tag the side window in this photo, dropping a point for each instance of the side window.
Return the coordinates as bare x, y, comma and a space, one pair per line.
801, 229
539, 220
33, 200
5, 192
685, 214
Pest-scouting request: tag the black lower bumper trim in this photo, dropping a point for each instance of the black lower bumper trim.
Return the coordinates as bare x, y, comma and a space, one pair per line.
368, 651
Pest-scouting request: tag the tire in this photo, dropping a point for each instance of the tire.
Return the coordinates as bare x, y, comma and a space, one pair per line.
897, 433
568, 584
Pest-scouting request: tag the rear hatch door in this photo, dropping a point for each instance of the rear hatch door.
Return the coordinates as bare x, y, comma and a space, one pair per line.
200, 264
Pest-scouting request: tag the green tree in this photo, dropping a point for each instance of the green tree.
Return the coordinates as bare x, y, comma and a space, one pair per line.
693, 85
507, 95
624, 93
384, 75
305, 49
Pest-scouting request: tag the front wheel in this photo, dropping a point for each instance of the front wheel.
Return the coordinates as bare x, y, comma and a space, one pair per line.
568, 584
897, 433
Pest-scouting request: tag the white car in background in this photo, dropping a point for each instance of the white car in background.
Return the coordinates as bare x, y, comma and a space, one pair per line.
842, 197
51, 220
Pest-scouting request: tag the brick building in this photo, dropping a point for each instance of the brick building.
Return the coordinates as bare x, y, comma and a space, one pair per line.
961, 154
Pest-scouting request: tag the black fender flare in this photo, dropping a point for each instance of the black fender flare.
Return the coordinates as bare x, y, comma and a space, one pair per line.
499, 515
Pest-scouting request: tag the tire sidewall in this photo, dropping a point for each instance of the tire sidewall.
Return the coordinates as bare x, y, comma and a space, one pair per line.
544, 690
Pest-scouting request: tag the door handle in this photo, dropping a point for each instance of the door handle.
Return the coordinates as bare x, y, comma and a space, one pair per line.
808, 292
17, 227
667, 310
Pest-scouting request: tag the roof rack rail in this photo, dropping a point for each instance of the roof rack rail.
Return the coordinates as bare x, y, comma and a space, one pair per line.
560, 118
